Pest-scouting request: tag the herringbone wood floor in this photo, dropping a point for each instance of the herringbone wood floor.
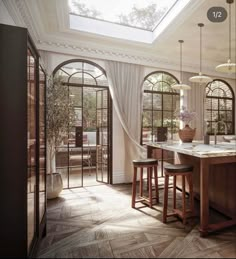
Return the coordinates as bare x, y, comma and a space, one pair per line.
98, 222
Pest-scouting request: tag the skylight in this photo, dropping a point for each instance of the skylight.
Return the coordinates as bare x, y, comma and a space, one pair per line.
143, 14
134, 20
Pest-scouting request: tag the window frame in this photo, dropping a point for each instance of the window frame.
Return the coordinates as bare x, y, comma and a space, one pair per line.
172, 93
218, 110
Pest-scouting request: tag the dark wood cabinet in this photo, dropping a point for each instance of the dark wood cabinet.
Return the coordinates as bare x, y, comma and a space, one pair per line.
23, 146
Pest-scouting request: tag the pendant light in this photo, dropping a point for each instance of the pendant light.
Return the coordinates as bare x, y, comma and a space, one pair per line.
228, 67
180, 86
201, 79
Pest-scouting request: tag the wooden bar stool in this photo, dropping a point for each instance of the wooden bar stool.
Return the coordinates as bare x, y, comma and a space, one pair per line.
186, 172
149, 164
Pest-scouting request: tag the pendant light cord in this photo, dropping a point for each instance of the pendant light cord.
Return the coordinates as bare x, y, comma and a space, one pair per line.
229, 31
200, 25
181, 79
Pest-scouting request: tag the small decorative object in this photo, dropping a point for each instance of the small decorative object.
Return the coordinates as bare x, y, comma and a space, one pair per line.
187, 133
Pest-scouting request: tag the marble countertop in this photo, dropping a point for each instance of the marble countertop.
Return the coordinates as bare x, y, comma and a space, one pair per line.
198, 149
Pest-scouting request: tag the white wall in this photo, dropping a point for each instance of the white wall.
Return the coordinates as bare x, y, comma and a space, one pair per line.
51, 60
5, 17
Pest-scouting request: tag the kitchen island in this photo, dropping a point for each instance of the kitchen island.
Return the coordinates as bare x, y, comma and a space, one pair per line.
214, 177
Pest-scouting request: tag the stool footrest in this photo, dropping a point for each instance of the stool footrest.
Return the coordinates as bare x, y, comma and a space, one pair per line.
177, 212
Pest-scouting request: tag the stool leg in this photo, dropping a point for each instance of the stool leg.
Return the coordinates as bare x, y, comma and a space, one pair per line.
166, 185
141, 183
150, 186
174, 192
134, 187
156, 184
191, 194
183, 199
147, 180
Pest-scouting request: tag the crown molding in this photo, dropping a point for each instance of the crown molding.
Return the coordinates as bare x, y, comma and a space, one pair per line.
127, 56
13, 7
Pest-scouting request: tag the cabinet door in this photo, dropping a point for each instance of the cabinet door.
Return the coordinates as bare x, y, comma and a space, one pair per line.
42, 144
31, 145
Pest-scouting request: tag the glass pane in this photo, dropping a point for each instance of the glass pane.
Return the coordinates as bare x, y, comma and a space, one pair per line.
223, 115
147, 101
78, 117
157, 119
176, 102
99, 118
157, 102
75, 94
167, 119
104, 117
102, 80
229, 104
42, 145
147, 119
75, 177
214, 116
214, 104
229, 116
167, 102
62, 157
104, 99
64, 176
99, 99
222, 104
31, 144
76, 78
229, 128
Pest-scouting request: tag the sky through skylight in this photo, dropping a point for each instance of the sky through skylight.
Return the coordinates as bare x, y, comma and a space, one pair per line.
145, 14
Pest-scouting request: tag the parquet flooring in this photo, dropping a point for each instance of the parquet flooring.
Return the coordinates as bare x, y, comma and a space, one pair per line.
98, 222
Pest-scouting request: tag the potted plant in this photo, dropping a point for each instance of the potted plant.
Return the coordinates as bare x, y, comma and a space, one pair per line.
60, 117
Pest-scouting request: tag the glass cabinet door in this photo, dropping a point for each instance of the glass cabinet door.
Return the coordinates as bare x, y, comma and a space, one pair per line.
42, 145
31, 146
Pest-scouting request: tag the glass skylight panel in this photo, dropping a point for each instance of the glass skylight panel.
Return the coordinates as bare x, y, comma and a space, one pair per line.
143, 14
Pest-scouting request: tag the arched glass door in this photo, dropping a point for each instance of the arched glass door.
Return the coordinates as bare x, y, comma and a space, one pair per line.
84, 157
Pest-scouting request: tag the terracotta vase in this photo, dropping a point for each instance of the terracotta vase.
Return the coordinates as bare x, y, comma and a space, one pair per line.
187, 134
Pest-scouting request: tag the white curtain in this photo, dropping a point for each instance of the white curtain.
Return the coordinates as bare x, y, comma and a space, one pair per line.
125, 82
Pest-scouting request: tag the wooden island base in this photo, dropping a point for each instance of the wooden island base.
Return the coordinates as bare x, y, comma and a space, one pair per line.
214, 184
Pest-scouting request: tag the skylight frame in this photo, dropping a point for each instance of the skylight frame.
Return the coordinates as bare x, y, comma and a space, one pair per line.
125, 32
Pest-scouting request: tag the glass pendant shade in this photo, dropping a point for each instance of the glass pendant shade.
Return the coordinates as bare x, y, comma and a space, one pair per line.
200, 78
180, 85
228, 67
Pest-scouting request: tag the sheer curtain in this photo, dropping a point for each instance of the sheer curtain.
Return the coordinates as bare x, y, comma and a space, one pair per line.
125, 82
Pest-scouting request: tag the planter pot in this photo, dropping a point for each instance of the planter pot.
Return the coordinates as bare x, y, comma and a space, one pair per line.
187, 134
54, 185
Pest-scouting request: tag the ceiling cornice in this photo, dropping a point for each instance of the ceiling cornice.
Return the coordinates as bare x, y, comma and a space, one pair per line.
122, 56
14, 7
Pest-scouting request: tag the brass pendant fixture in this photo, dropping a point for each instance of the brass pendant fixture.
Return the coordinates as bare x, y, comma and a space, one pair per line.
180, 85
200, 78
228, 67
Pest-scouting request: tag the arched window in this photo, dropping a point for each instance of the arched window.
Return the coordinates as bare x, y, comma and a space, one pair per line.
86, 146
159, 104
219, 107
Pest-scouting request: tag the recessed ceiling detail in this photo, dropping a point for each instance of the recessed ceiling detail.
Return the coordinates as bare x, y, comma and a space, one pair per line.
135, 20
142, 14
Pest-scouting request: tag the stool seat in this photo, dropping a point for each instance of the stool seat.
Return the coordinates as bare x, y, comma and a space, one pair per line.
139, 162
178, 168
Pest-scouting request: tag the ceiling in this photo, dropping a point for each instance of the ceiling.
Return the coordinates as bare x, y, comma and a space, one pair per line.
48, 23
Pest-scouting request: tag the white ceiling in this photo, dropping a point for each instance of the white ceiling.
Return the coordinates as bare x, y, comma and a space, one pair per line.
48, 23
